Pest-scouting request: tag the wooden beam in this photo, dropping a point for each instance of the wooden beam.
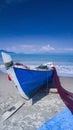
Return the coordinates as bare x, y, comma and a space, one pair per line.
12, 110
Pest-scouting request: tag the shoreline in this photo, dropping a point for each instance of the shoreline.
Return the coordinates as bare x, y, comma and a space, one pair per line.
35, 111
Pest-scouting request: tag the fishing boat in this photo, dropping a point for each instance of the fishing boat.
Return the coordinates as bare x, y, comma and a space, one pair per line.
27, 80
66, 96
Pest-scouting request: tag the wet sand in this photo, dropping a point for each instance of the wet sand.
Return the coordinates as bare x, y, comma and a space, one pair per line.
34, 112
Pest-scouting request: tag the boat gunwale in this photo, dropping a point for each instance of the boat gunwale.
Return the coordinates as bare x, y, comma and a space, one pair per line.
33, 69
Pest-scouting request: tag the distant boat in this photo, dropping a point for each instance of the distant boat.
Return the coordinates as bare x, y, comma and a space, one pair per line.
66, 96
27, 80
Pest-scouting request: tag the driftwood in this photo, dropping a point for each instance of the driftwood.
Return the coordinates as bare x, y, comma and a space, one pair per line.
12, 110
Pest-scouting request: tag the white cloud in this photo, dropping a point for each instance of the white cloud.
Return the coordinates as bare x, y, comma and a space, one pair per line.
32, 48
27, 48
24, 48
64, 50
47, 48
12, 48
68, 49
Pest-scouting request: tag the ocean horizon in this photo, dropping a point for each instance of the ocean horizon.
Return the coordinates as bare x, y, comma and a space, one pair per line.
62, 61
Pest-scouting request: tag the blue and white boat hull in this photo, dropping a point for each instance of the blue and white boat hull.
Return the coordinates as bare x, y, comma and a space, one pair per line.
27, 81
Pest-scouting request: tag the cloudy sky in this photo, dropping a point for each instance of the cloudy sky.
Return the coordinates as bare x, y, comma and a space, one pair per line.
36, 26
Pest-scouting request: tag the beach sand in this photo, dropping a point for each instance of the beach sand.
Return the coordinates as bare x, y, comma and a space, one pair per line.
35, 111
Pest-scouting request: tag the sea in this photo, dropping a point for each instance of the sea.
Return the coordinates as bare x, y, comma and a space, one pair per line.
62, 61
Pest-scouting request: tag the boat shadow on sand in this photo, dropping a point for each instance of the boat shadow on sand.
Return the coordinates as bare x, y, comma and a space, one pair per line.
44, 91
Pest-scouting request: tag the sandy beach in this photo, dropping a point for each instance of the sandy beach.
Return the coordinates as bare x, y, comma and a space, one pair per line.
35, 111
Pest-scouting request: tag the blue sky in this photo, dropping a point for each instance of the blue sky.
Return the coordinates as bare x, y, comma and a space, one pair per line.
36, 26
